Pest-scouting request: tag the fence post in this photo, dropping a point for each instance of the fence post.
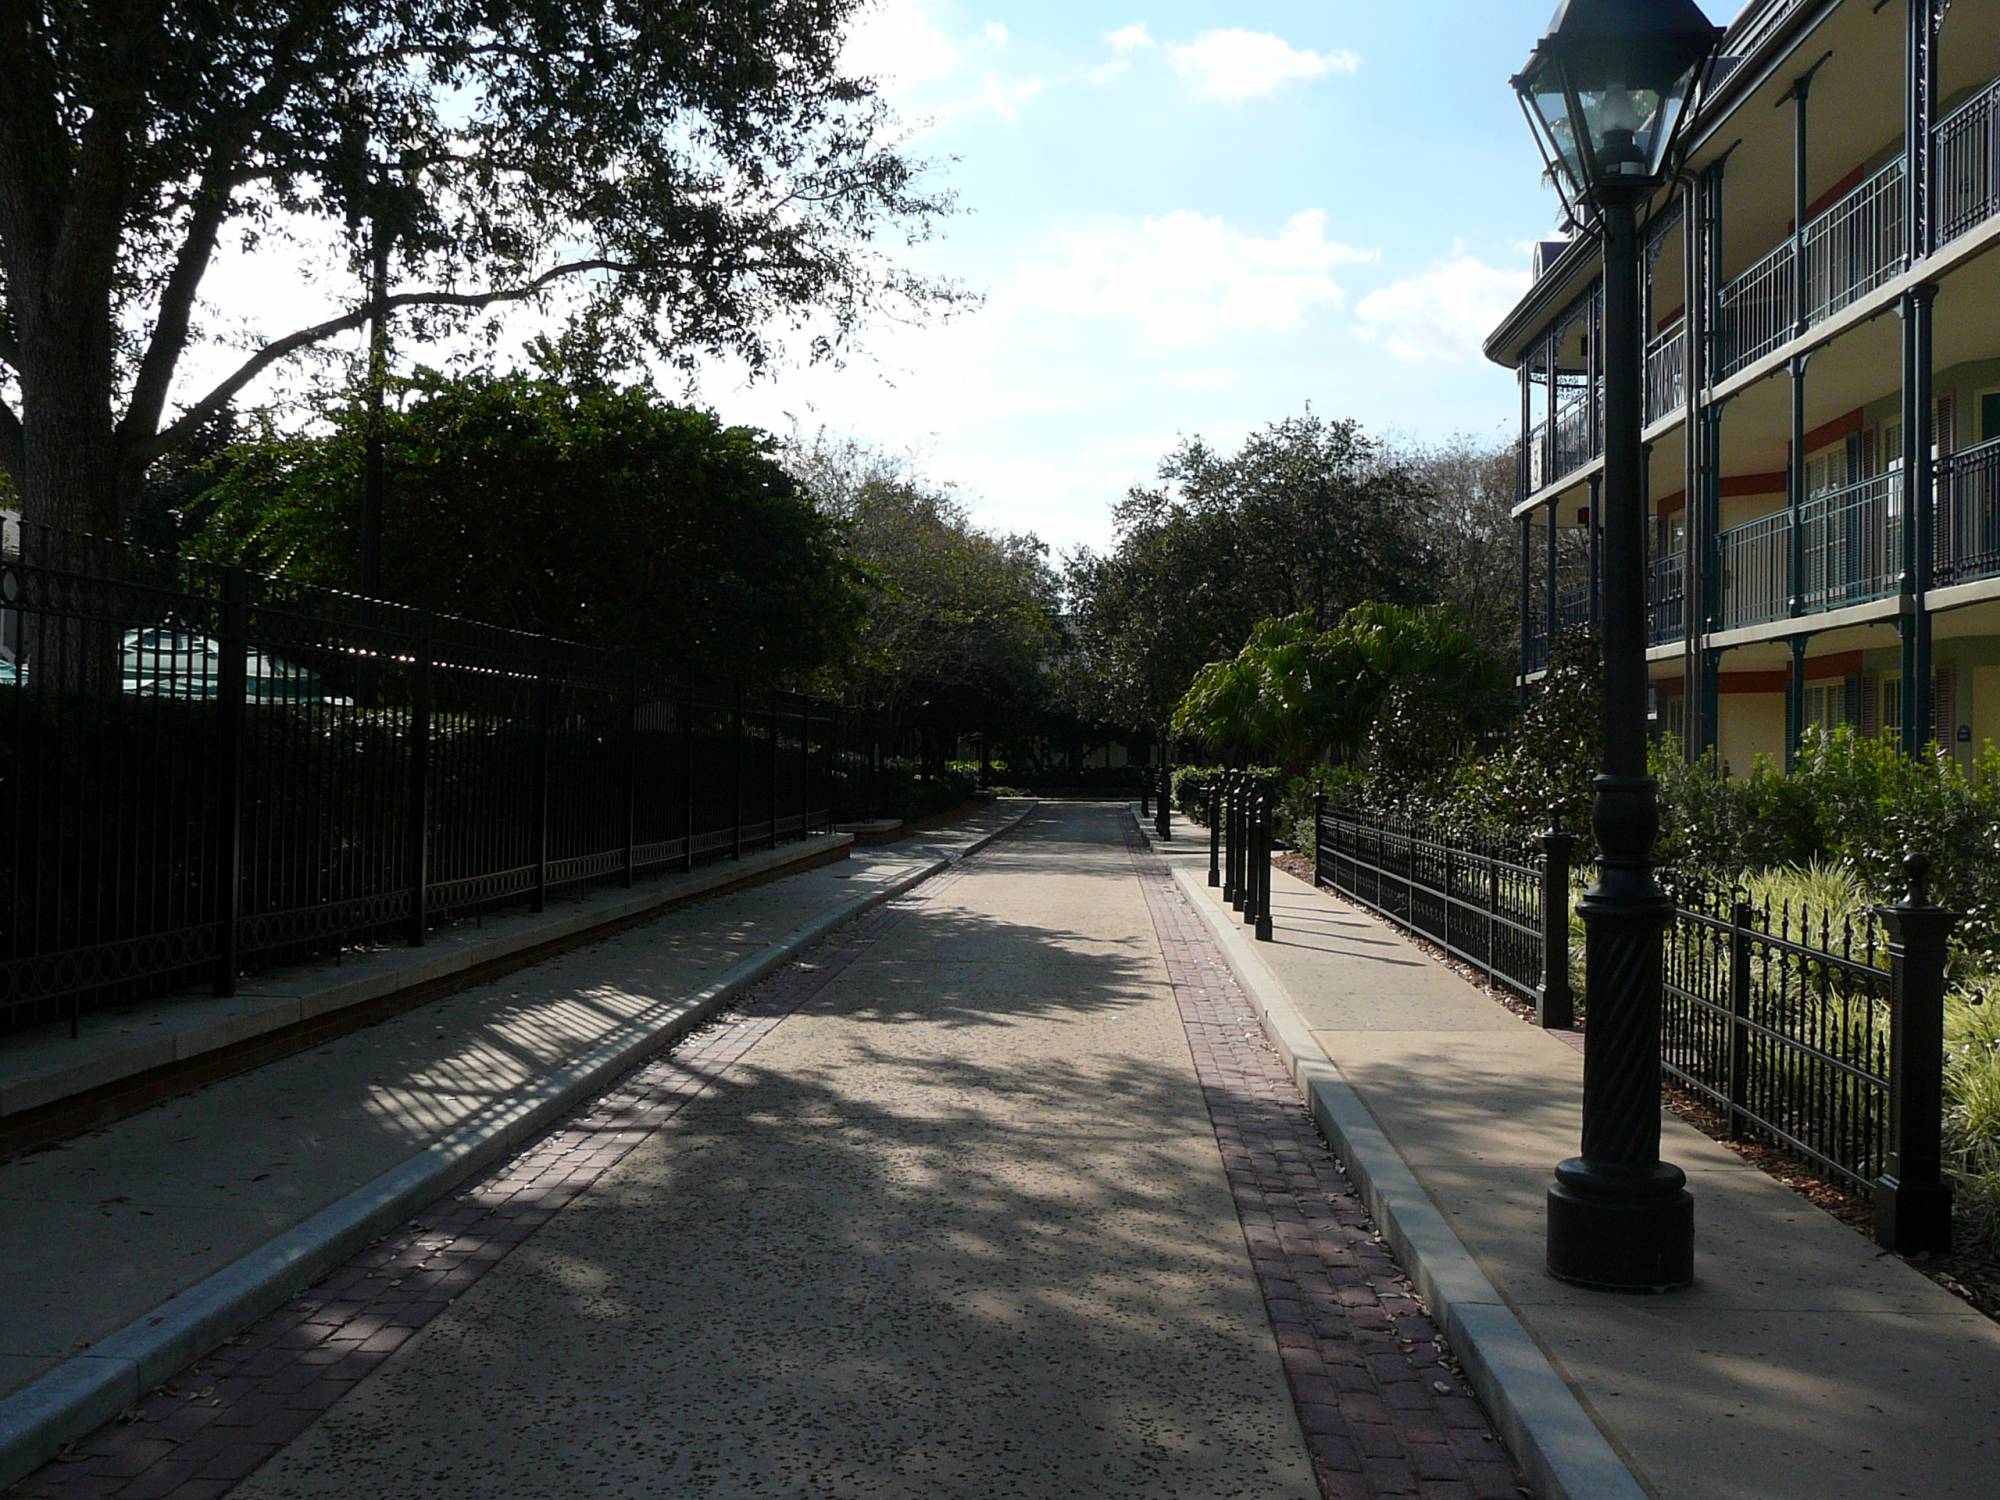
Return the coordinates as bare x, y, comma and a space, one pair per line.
544, 719
1253, 820
805, 767
1237, 791
1165, 826
1145, 791
1214, 792
687, 774
1319, 838
629, 862
1739, 1015
774, 769
1912, 1199
231, 702
419, 834
736, 774
1266, 826
1555, 1001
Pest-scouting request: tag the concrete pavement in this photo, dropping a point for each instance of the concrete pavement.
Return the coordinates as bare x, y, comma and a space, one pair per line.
1805, 1363
998, 1191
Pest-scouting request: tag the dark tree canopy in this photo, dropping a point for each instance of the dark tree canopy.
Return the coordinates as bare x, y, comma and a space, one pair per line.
1309, 516
583, 510
701, 171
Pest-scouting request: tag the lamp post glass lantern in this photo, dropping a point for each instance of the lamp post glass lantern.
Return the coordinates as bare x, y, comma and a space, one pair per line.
1607, 91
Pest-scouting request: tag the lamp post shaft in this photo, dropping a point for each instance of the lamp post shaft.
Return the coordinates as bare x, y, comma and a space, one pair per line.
1620, 1218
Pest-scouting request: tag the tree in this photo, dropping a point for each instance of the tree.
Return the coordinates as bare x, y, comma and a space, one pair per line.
1410, 685
560, 505
960, 626
694, 170
1309, 517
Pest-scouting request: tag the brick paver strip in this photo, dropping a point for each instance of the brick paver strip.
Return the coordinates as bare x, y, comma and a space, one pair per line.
1384, 1411
196, 1436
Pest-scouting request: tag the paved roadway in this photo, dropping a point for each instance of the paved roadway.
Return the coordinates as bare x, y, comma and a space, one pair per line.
999, 1194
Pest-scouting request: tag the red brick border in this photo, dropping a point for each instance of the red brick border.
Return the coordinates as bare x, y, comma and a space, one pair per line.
196, 1436
1383, 1408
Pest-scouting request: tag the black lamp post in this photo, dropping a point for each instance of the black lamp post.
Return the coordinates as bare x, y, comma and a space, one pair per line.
1606, 91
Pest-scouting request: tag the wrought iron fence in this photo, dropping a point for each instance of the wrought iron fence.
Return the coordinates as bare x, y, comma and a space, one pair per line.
1968, 514
1820, 1037
1576, 435
205, 772
1757, 312
1666, 373
1783, 1023
1856, 245
1488, 904
1756, 570
1849, 542
1965, 173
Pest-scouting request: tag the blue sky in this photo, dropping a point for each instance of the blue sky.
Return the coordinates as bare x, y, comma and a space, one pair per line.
1190, 218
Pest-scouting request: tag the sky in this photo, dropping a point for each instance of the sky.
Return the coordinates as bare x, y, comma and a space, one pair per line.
1184, 217
1189, 218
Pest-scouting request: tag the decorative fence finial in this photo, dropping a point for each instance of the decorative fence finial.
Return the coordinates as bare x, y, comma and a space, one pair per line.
1917, 866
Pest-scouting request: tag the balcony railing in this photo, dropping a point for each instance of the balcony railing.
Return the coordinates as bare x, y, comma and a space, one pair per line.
1966, 187
1576, 439
1666, 600
1572, 613
1756, 571
1758, 313
1849, 546
1666, 373
1856, 245
1968, 515
1850, 552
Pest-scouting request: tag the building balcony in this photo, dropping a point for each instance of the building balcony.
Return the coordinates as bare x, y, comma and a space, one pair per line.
1577, 442
1666, 600
1666, 373
1967, 526
1572, 613
1852, 248
1849, 553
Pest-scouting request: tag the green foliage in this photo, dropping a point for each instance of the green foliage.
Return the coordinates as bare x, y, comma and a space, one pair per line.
704, 178
559, 505
961, 622
908, 791
1972, 1108
1309, 516
1411, 687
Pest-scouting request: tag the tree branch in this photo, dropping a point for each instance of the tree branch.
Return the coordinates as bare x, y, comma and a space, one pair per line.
147, 449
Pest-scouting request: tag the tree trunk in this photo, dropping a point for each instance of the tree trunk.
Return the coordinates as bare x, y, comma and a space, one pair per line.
70, 489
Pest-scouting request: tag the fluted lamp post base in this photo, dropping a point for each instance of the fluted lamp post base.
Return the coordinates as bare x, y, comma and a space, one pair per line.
1619, 1229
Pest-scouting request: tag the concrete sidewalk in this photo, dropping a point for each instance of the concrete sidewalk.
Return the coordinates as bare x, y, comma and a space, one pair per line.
1804, 1363
133, 1248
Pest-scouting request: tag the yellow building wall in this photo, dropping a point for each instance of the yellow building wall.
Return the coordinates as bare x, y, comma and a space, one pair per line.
1985, 716
1750, 725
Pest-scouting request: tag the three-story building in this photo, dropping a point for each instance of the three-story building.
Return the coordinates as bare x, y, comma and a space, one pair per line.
1822, 400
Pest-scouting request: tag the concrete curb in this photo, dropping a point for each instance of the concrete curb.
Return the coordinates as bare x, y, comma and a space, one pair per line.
272, 1002
69, 1401
1545, 1427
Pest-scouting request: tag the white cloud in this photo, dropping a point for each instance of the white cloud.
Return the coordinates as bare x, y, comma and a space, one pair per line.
1236, 64
1185, 280
1004, 98
898, 42
1134, 38
997, 33
1444, 315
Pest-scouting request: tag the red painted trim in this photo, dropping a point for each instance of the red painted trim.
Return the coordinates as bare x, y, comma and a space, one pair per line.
1671, 318
1668, 504
1834, 431
1843, 664
1736, 487
1754, 682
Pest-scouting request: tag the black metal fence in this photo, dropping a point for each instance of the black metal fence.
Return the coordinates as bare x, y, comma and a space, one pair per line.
205, 772
1825, 1039
1501, 909
1782, 1023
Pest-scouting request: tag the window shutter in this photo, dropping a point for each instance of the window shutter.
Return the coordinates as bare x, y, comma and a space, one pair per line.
1850, 708
1871, 716
1944, 708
